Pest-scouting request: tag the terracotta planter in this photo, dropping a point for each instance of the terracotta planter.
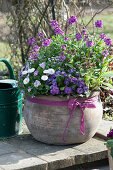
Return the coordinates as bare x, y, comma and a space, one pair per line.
47, 123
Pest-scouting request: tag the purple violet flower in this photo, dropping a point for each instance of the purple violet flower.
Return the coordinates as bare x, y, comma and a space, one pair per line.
54, 23
86, 37
74, 80
36, 48
36, 83
103, 36
110, 134
40, 34
36, 73
31, 41
46, 42
79, 90
108, 41
63, 47
98, 23
42, 65
105, 53
89, 43
66, 38
58, 30
78, 36
83, 32
72, 20
67, 90
85, 88
54, 90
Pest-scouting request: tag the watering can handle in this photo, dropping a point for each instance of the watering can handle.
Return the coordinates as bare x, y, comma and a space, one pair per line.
10, 69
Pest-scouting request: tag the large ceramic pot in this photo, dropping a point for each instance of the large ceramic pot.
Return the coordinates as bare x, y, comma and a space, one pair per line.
47, 123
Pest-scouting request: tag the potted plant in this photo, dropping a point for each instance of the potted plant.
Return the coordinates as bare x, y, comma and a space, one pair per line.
61, 80
109, 146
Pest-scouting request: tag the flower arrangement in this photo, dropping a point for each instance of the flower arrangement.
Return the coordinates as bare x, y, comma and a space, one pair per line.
73, 64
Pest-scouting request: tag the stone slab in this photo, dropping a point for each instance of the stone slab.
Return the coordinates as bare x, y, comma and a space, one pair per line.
6, 148
104, 129
20, 161
50, 157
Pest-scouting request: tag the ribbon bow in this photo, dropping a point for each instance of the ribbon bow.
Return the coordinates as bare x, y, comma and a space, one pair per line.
72, 104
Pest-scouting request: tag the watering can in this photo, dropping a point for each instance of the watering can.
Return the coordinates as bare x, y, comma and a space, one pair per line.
10, 105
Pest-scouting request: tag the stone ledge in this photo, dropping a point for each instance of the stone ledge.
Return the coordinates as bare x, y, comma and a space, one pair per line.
24, 152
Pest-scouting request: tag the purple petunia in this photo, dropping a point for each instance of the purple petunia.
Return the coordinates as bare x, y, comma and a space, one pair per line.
54, 90
31, 40
98, 23
89, 43
62, 56
78, 36
85, 88
108, 41
58, 30
46, 42
72, 20
67, 90
79, 90
54, 23
103, 36
74, 80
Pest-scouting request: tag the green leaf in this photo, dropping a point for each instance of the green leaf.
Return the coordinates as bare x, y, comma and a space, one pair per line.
62, 88
107, 84
108, 74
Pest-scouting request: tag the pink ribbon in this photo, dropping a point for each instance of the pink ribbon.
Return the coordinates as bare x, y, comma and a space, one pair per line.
72, 104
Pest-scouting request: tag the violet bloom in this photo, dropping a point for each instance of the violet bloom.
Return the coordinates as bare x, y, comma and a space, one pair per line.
103, 36
83, 32
72, 20
31, 41
71, 70
105, 53
36, 48
42, 65
86, 37
67, 82
85, 88
62, 56
78, 36
63, 47
23, 92
108, 41
98, 23
58, 30
41, 35
81, 83
66, 38
36, 73
67, 90
54, 90
74, 80
46, 42
37, 83
110, 134
79, 90
54, 23
89, 43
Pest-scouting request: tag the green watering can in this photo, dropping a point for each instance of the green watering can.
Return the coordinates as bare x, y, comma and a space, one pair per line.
10, 105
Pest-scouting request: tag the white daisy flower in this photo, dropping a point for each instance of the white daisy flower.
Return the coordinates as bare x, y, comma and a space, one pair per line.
26, 80
31, 70
51, 71
44, 77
